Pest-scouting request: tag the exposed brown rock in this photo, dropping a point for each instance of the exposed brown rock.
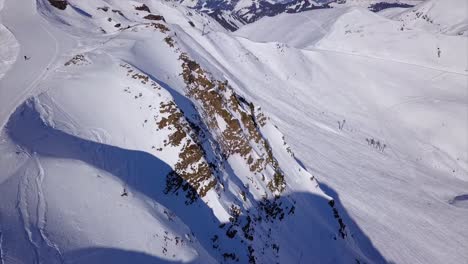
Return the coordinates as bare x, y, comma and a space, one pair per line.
104, 8
192, 174
162, 28
218, 99
59, 4
143, 8
169, 41
154, 17
191, 168
76, 60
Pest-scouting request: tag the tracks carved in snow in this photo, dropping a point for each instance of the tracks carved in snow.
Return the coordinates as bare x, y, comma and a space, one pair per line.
23, 212
42, 212
1, 248
34, 218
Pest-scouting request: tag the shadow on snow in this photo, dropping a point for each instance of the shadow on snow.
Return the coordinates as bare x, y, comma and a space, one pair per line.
142, 172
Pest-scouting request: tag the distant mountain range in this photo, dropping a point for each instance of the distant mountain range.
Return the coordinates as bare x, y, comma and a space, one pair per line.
232, 14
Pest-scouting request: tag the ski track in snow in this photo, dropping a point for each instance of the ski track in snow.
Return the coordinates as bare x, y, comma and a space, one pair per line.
383, 123
22, 206
1, 248
72, 122
34, 223
323, 50
441, 70
17, 84
42, 211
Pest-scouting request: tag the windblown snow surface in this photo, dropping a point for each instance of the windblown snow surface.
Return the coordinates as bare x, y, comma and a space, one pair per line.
143, 132
8, 47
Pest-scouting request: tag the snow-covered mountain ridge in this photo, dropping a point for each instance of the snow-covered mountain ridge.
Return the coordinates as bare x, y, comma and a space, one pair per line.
161, 135
152, 135
234, 14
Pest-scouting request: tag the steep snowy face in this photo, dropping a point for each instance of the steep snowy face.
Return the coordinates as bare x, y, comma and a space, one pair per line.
358, 32
408, 86
290, 28
143, 150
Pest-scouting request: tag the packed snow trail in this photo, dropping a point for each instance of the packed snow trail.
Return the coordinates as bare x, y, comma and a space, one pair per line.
1, 249
441, 70
24, 215
38, 44
373, 57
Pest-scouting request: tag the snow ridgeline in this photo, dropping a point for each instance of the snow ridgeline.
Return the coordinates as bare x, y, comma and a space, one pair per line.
140, 153
447, 17
359, 32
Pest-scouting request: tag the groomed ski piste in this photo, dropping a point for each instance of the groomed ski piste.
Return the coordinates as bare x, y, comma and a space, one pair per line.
330, 136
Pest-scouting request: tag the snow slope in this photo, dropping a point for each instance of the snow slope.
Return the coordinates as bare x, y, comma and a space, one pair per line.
432, 16
316, 23
167, 139
418, 108
139, 153
8, 47
232, 14
8, 50
41, 45
368, 3
360, 32
85, 160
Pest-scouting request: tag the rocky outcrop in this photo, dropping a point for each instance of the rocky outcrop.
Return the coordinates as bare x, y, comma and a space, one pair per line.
59, 4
